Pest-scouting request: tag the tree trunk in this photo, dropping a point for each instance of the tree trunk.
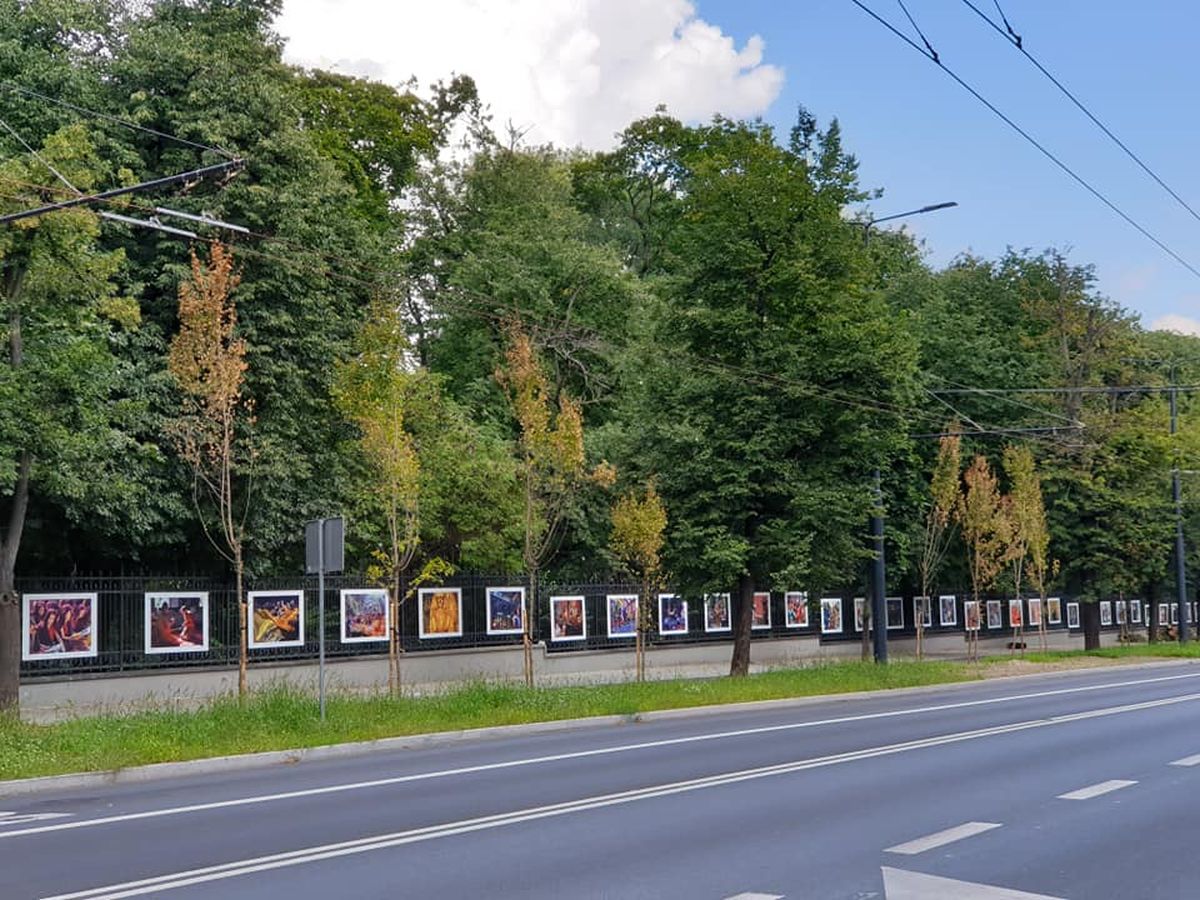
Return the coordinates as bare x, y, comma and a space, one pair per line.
10, 642
243, 644
1152, 612
10, 541
1089, 615
743, 616
527, 625
866, 653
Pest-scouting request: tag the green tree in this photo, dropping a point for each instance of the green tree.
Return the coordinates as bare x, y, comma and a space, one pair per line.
745, 391
61, 403
942, 516
1030, 549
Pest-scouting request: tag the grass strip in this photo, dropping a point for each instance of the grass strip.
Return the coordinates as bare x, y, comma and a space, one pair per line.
282, 718
1160, 650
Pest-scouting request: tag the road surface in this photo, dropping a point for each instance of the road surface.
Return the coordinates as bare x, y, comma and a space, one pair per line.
1076, 785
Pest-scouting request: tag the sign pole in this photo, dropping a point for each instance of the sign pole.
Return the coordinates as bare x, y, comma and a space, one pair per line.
321, 616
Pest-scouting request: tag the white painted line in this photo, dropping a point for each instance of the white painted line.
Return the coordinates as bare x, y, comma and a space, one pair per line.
941, 838
750, 896
577, 754
380, 842
1096, 790
901, 885
1187, 761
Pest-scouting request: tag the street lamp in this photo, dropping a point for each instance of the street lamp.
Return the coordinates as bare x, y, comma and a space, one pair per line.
879, 568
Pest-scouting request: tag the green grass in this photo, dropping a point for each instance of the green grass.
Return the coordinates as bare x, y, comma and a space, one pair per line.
1161, 650
281, 718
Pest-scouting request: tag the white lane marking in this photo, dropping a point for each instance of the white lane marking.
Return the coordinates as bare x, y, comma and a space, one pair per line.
1096, 790
901, 885
380, 842
750, 896
1187, 761
9, 818
941, 838
576, 754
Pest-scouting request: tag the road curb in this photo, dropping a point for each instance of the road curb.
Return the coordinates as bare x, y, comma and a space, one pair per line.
240, 762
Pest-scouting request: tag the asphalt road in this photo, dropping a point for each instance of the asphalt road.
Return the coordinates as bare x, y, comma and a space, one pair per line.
1071, 786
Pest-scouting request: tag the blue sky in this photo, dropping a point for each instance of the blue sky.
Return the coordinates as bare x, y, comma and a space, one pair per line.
923, 139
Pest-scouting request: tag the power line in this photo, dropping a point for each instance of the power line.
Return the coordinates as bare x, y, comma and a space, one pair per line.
1013, 38
1079, 179
82, 110
1095, 389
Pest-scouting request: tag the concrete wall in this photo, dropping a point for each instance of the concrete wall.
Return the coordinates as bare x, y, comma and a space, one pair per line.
437, 669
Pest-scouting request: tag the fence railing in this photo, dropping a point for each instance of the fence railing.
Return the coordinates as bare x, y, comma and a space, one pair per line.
127, 629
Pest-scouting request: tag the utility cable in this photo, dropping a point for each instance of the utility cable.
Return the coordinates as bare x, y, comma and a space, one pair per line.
917, 29
1079, 179
83, 110
1015, 40
57, 174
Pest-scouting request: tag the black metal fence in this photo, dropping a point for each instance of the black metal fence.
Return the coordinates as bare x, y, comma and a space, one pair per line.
121, 623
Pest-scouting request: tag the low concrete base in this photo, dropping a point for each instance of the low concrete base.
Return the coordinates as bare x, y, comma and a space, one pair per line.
435, 670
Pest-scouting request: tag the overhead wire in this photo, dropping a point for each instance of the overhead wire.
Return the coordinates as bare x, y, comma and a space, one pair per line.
1013, 38
83, 110
1079, 179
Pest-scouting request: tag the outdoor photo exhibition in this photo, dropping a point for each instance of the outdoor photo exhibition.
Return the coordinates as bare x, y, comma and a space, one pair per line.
461, 449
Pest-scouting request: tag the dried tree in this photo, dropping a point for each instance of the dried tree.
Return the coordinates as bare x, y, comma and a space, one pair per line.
637, 539
551, 460
1030, 553
941, 518
986, 532
213, 432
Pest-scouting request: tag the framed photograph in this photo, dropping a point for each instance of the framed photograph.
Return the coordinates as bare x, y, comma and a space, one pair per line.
1105, 612
1014, 613
177, 622
276, 619
672, 614
995, 615
622, 615
795, 609
761, 617
568, 621
860, 612
831, 615
1035, 612
1164, 615
1135, 612
1174, 613
59, 626
947, 610
365, 615
1120, 610
717, 616
895, 612
1054, 610
923, 611
506, 610
1072, 615
971, 615
439, 612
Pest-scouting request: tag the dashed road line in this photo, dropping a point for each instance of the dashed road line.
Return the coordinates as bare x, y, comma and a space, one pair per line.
941, 838
1187, 761
1097, 790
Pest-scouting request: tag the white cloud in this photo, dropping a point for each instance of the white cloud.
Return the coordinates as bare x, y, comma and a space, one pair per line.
1173, 322
574, 72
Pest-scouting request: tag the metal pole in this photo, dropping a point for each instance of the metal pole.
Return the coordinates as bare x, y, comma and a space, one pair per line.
879, 577
321, 616
1180, 562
